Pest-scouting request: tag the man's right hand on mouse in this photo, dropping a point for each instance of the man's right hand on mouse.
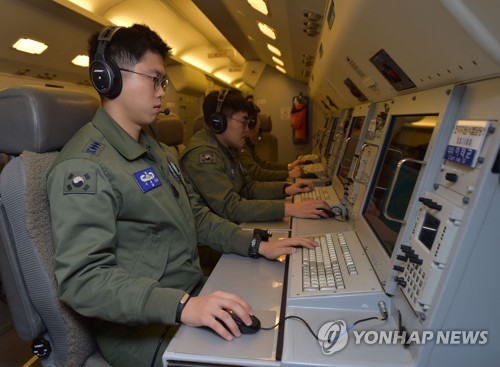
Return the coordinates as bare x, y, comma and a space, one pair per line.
204, 310
311, 209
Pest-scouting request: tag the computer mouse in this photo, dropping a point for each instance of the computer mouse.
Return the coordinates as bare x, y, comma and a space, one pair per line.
244, 329
329, 212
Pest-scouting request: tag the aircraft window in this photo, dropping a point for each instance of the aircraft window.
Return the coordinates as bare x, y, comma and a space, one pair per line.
396, 175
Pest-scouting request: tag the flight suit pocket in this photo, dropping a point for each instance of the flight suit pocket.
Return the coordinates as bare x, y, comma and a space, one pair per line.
152, 258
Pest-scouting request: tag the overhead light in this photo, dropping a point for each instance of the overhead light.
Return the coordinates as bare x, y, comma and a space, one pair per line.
268, 31
274, 50
30, 46
197, 63
223, 76
85, 4
278, 61
259, 5
281, 69
81, 60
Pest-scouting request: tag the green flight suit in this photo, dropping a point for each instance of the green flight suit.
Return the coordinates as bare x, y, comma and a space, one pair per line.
126, 228
260, 169
216, 173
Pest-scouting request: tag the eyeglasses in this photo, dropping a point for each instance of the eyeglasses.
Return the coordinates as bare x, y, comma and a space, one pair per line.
157, 82
244, 122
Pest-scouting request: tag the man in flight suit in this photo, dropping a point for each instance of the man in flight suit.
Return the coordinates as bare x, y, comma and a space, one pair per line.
126, 224
258, 168
211, 163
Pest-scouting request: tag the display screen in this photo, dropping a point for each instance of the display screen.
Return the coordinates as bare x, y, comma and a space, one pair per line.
429, 230
408, 137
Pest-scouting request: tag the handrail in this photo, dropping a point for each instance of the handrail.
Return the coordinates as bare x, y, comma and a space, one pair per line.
393, 184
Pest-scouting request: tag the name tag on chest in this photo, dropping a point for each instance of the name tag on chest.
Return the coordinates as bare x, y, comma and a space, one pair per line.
147, 179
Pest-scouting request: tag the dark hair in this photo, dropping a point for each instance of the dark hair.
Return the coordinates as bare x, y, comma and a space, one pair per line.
129, 45
233, 103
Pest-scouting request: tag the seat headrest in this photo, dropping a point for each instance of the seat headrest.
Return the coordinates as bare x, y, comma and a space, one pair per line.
266, 124
168, 129
41, 119
198, 124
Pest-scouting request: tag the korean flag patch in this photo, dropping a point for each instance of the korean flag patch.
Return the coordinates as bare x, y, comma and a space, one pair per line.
208, 157
147, 179
80, 183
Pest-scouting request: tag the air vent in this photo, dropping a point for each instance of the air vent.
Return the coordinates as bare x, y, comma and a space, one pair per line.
311, 23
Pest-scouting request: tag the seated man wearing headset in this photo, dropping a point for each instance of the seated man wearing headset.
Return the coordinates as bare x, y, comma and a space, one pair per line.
126, 224
258, 168
211, 164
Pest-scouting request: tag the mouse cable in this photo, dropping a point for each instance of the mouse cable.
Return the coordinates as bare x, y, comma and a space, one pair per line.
159, 344
349, 328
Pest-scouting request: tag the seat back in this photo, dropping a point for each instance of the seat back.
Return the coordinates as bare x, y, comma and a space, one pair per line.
36, 122
198, 124
169, 131
266, 143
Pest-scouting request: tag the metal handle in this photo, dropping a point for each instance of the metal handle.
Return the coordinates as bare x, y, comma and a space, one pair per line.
392, 150
393, 184
363, 147
345, 150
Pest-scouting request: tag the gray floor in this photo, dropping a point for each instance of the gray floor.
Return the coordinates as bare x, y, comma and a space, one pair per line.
13, 351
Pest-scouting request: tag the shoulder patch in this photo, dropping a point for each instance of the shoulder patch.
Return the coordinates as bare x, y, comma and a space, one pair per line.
208, 157
93, 147
80, 183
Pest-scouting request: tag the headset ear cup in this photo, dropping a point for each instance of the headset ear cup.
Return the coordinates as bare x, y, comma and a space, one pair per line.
105, 74
218, 122
106, 78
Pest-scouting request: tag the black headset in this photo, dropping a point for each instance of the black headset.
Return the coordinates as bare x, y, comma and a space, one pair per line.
105, 74
218, 121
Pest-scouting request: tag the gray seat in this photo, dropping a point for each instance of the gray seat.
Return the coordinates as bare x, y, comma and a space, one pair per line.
198, 124
36, 122
266, 143
169, 130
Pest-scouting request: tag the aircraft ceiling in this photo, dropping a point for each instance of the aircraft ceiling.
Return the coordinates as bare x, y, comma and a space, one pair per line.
224, 48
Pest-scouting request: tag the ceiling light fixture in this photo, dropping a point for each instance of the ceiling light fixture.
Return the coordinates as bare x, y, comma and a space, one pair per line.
30, 46
278, 61
81, 60
281, 69
197, 63
259, 5
274, 50
224, 77
85, 4
268, 31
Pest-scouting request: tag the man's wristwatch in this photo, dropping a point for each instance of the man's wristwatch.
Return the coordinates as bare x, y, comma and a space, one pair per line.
180, 307
253, 250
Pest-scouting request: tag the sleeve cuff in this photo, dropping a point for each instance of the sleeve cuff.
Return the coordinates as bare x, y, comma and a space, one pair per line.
161, 305
241, 241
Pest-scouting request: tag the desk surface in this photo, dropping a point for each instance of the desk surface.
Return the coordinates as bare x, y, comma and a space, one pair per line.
260, 282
